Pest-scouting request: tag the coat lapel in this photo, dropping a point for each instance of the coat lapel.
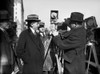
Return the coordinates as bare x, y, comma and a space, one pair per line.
35, 40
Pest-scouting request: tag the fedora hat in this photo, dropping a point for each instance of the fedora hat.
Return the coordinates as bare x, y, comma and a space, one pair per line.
32, 17
76, 17
4, 15
41, 24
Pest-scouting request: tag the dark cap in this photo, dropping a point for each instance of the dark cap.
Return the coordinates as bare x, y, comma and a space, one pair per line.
41, 24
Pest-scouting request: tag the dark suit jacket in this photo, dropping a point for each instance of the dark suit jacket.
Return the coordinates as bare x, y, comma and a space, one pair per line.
5, 46
5, 50
73, 44
31, 50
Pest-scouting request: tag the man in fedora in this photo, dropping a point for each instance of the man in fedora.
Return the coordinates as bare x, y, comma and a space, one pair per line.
73, 44
30, 48
6, 60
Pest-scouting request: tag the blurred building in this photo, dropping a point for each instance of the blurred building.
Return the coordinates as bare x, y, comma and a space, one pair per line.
19, 15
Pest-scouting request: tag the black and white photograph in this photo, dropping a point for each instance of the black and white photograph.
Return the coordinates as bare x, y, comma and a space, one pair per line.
49, 36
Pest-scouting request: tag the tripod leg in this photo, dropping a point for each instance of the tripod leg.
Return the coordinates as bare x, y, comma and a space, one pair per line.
88, 61
96, 59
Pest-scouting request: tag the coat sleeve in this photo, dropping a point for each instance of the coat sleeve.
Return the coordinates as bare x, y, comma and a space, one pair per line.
20, 49
68, 43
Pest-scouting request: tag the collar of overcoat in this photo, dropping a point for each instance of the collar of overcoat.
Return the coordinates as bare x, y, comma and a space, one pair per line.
33, 37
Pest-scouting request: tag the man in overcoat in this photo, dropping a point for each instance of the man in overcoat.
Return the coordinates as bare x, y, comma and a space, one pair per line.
6, 54
30, 48
73, 44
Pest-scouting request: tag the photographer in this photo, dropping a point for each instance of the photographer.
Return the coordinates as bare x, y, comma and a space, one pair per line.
73, 44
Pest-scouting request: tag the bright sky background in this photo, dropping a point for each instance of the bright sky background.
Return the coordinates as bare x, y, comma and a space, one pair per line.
65, 7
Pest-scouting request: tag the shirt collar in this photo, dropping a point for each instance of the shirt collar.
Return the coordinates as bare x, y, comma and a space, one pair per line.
33, 31
2, 29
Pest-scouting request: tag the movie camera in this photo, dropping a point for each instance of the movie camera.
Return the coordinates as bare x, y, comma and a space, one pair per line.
63, 25
91, 24
91, 47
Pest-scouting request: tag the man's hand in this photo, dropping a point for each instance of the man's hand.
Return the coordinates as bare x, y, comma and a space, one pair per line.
55, 33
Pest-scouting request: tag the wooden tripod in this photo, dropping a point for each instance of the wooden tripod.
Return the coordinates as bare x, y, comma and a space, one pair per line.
92, 51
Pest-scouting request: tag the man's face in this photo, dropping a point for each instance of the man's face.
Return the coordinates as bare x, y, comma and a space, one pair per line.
42, 29
35, 25
73, 26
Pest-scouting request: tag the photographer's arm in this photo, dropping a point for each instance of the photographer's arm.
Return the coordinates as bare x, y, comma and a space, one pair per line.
66, 43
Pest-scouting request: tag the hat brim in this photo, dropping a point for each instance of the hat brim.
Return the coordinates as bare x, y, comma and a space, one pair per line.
32, 20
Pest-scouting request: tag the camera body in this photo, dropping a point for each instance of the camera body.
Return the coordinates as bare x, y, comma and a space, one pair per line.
62, 26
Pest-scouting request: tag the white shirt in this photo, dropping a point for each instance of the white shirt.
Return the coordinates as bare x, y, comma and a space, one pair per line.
33, 31
2, 29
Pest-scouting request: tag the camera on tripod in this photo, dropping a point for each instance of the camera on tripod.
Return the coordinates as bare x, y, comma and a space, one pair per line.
92, 49
91, 24
63, 25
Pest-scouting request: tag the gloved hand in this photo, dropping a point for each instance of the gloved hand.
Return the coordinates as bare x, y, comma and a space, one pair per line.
55, 33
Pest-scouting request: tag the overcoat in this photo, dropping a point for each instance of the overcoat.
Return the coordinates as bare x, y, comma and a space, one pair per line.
6, 52
73, 44
31, 50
